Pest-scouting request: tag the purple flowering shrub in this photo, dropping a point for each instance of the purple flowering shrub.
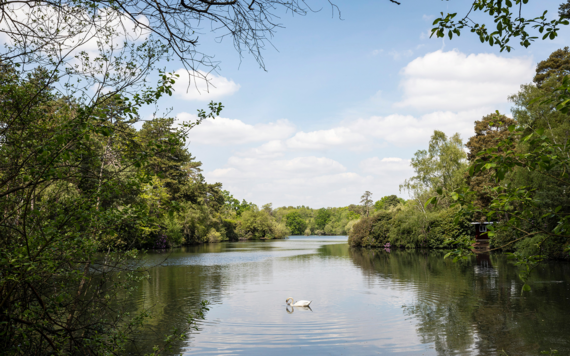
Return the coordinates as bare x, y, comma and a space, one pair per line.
161, 242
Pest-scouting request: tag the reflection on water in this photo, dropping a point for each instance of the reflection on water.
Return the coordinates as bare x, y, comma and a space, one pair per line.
290, 309
364, 301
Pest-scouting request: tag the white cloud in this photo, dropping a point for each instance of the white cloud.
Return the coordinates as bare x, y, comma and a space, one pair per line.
408, 130
224, 131
454, 81
325, 139
305, 167
307, 180
202, 86
450, 89
271, 149
386, 166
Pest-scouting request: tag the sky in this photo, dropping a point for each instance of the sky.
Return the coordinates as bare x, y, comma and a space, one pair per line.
343, 104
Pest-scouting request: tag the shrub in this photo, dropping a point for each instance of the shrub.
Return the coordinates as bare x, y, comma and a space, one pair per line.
408, 228
214, 236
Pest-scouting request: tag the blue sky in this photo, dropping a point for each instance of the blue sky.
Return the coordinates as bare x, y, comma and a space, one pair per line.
344, 104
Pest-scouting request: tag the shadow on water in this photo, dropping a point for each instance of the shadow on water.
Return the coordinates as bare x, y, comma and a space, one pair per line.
365, 301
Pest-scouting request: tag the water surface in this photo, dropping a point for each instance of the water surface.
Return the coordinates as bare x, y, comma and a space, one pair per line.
365, 302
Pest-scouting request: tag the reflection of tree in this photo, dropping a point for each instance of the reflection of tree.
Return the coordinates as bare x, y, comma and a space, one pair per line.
476, 308
171, 294
334, 250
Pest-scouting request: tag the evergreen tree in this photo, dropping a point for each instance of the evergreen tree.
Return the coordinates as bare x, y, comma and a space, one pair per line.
489, 131
557, 64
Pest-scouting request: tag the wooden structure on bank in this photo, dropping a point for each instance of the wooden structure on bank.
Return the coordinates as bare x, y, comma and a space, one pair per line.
481, 237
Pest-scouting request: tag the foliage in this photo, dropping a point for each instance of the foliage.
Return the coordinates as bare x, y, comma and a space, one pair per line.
534, 217
81, 189
441, 166
258, 224
74, 183
324, 221
322, 218
388, 202
295, 223
405, 227
556, 65
410, 224
489, 131
508, 21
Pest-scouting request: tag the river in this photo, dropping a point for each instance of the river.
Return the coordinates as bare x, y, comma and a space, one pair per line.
364, 302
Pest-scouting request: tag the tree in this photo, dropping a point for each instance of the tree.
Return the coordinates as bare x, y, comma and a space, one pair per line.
174, 165
322, 218
441, 166
74, 178
489, 131
539, 229
245, 206
564, 10
230, 203
268, 208
388, 202
69, 185
295, 223
366, 201
557, 65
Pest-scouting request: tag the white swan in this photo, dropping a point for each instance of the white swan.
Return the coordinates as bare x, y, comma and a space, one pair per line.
299, 303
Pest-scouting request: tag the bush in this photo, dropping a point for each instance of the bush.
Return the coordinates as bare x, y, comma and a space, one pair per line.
280, 231
408, 228
260, 225
214, 236
360, 231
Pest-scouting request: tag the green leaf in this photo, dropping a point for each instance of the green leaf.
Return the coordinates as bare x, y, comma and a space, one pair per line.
526, 288
432, 200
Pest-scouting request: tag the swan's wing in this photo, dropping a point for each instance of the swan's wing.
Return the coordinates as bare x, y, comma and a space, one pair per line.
303, 303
